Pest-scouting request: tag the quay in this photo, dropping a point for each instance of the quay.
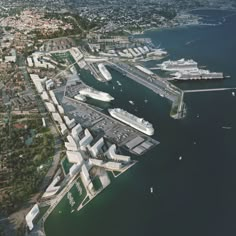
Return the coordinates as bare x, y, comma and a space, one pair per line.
208, 90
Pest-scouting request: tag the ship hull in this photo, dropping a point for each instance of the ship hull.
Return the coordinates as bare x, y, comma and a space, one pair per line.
148, 131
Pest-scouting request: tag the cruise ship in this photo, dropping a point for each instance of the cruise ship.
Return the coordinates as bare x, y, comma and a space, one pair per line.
132, 120
180, 65
95, 94
197, 74
106, 74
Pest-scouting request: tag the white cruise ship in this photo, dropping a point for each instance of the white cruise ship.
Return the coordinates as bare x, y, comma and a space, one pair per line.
132, 120
106, 74
180, 65
197, 74
95, 94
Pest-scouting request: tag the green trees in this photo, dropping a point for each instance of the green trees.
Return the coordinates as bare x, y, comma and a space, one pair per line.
21, 160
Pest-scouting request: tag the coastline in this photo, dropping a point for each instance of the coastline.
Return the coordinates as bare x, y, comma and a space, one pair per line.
186, 25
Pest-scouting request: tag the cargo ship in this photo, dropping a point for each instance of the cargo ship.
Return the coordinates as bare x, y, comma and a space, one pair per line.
132, 120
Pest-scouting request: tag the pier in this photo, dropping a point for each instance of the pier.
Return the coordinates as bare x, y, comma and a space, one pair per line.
154, 83
208, 90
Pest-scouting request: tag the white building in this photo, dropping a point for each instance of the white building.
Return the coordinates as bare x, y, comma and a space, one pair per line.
52, 189
56, 117
74, 157
30, 62
64, 129
74, 169
71, 140
49, 84
86, 140
37, 82
31, 216
96, 147
50, 107
53, 97
96, 162
111, 154
45, 96
60, 109
70, 147
11, 58
113, 165
69, 123
76, 131
44, 122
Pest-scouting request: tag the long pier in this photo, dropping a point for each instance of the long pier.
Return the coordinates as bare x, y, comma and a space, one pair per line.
156, 84
208, 90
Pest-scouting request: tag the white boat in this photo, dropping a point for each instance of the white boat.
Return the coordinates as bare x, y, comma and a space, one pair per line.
151, 190
95, 94
131, 102
145, 100
132, 120
226, 127
119, 83
233, 93
197, 74
179, 65
106, 74
180, 158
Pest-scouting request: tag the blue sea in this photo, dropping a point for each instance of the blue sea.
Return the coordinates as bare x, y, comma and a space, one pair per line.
193, 196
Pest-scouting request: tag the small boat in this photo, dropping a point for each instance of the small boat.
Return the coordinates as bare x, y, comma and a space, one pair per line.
131, 102
180, 158
151, 190
198, 116
119, 83
226, 127
233, 93
145, 100
113, 87
121, 90
194, 142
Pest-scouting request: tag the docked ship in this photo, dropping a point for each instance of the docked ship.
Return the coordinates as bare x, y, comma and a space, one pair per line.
132, 120
95, 94
197, 74
179, 65
106, 74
